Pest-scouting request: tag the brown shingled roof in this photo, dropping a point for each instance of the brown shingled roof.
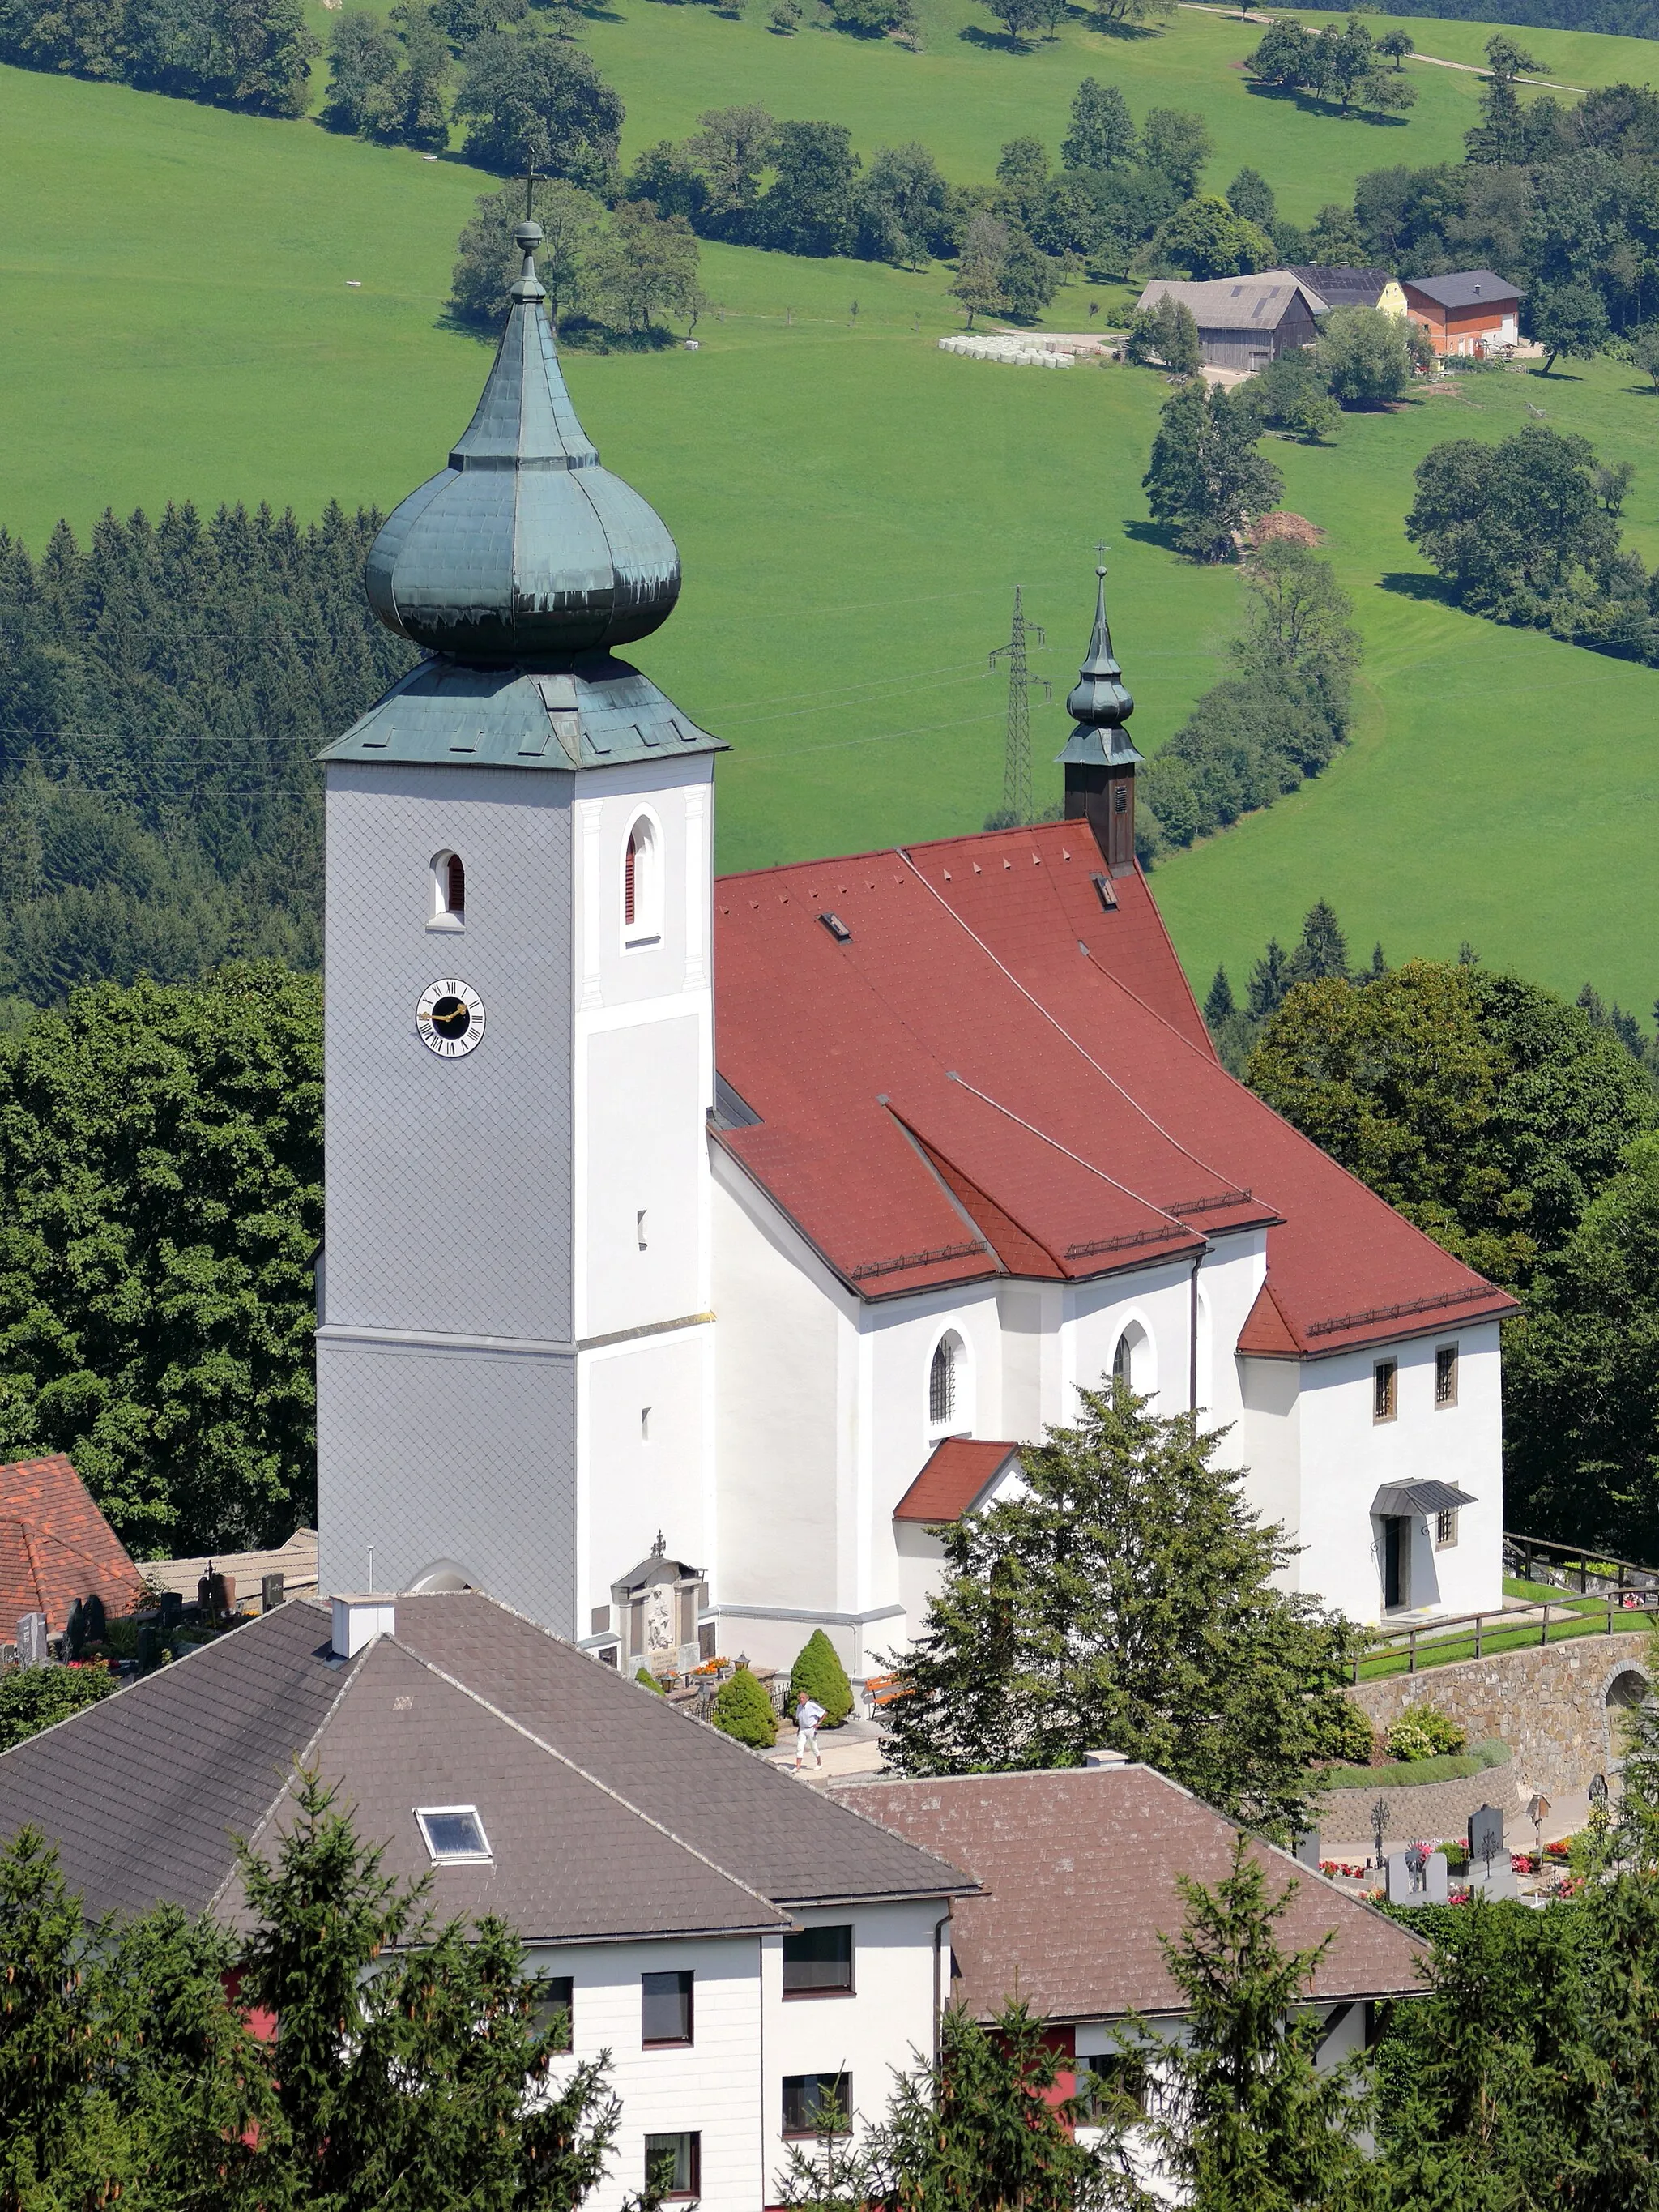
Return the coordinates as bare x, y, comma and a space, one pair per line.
1078, 1871
958, 1475
56, 1546
609, 1813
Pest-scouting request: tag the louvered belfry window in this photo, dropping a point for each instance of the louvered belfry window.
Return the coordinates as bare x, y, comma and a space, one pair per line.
630, 880
942, 1385
456, 886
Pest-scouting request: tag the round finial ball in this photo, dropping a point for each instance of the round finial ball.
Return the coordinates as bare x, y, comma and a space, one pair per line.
527, 237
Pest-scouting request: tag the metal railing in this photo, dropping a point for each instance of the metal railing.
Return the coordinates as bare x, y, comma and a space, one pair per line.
1591, 1573
1438, 1641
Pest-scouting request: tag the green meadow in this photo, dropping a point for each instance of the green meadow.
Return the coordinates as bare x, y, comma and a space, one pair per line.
855, 508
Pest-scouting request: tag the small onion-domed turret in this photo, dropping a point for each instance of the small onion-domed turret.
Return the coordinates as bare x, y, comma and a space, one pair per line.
1099, 756
1098, 699
524, 549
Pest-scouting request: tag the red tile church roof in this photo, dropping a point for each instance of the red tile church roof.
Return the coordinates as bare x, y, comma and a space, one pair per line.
56, 1546
995, 1071
958, 1474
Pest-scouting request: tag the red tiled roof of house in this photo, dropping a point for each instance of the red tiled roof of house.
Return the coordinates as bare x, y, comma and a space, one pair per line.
56, 1546
958, 1472
995, 1072
1077, 1872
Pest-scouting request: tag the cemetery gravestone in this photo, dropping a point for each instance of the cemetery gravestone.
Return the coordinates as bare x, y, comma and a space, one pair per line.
1489, 1868
1417, 1876
1307, 1849
271, 1593
74, 1630
32, 1649
97, 1624
172, 1610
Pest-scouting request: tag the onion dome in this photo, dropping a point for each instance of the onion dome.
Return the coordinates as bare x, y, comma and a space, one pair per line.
524, 549
1098, 704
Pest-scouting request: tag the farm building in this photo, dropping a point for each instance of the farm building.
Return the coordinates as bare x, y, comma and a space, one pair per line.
1348, 288
1473, 311
1244, 322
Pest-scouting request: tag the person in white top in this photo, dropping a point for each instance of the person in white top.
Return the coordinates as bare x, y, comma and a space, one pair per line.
809, 1715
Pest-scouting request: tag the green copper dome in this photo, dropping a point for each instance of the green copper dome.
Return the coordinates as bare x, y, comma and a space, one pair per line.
524, 549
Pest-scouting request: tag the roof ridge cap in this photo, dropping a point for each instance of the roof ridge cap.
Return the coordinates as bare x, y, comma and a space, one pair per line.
271, 1810
565, 1760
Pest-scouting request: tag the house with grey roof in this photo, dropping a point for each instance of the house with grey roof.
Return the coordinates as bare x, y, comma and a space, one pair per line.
1244, 322
1339, 286
1468, 311
739, 1943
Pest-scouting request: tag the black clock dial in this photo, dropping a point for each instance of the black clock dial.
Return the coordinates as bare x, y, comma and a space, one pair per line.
452, 1017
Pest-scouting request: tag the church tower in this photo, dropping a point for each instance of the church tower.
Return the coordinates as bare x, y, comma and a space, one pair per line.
1099, 758
514, 1354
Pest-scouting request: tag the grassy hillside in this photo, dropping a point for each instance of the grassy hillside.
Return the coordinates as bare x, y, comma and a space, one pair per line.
855, 508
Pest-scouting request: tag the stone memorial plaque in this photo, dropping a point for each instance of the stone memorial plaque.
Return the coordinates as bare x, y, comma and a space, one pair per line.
1434, 1880
1417, 1877
1402, 1882
32, 1650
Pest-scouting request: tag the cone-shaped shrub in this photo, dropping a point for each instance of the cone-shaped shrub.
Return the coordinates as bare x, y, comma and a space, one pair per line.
818, 1672
743, 1710
644, 1674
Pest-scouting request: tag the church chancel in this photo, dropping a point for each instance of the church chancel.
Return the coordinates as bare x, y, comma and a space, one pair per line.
688, 1222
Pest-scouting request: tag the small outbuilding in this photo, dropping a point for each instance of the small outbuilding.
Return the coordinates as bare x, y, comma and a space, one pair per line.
1470, 311
1244, 322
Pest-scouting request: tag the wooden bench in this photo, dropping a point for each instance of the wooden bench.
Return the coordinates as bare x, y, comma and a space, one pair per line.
880, 1690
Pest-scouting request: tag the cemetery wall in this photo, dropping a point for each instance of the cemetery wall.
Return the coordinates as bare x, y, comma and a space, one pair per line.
1434, 1809
1556, 1706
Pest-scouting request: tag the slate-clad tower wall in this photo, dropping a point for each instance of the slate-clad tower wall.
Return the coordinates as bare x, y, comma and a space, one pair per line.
514, 1350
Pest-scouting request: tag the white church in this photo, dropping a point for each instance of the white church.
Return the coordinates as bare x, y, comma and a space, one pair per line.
695, 1245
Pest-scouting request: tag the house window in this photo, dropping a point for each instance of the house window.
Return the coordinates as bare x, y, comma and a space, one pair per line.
817, 2104
454, 1834
552, 2007
673, 2163
1384, 1376
942, 1384
448, 891
1445, 1530
664, 2009
1106, 2081
1445, 1375
641, 884
819, 1962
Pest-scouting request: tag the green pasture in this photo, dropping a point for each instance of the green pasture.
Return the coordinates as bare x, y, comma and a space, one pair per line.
856, 508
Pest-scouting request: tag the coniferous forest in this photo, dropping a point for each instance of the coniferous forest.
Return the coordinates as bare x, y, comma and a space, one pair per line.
164, 690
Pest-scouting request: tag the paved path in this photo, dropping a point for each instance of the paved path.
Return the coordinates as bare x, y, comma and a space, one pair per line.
1436, 61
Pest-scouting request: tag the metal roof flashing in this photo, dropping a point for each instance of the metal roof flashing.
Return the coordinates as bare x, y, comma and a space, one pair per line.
595, 712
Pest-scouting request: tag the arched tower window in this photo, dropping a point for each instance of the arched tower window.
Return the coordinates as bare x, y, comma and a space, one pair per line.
942, 1384
641, 884
1132, 1360
448, 891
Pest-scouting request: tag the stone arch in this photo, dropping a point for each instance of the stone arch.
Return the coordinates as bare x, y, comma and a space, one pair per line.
1622, 1687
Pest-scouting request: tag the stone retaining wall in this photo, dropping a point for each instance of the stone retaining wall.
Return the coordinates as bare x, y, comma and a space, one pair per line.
1554, 1704
1434, 1809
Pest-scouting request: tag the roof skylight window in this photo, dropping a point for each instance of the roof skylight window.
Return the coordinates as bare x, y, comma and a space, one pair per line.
454, 1835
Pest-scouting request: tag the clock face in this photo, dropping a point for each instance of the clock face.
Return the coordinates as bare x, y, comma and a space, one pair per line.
450, 1018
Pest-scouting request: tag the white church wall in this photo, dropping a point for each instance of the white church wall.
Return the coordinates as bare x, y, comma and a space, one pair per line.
1027, 1314
1233, 1271
777, 1428
1347, 1455
642, 1148
1268, 1444
902, 1334
1153, 1305
643, 1454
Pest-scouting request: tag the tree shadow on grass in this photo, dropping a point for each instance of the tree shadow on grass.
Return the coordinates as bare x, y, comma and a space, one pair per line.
1112, 27
1414, 584
996, 42
1307, 103
1151, 533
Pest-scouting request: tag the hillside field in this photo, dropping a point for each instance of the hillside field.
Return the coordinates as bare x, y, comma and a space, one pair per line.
853, 507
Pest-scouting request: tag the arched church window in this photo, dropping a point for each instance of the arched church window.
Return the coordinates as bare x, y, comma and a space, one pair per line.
641, 884
448, 890
942, 1384
1132, 1360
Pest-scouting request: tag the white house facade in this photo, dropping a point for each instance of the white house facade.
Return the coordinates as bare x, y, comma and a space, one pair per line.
685, 1218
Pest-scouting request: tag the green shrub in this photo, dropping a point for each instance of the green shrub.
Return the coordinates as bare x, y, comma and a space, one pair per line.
818, 1672
743, 1710
1410, 1773
1421, 1732
34, 1698
1359, 1738
644, 1674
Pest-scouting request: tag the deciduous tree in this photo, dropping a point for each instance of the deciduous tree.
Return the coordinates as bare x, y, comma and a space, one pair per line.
1364, 356
1103, 132
1177, 143
542, 94
1205, 475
